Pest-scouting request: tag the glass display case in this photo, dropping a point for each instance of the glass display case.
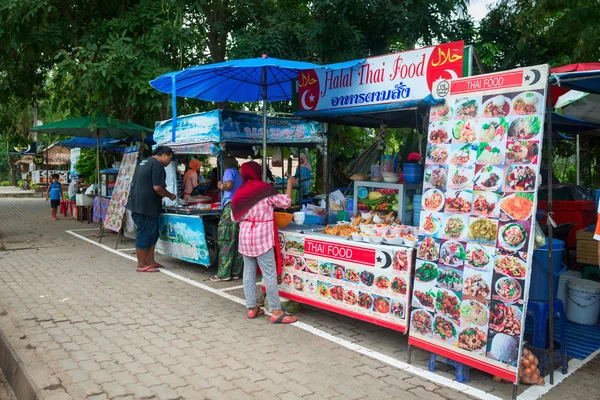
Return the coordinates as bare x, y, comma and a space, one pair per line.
108, 178
385, 198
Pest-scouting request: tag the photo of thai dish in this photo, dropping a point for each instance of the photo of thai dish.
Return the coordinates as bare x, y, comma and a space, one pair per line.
522, 152
351, 276
430, 223
504, 349
448, 304
476, 286
464, 132
298, 283
466, 109
424, 299
310, 285
365, 300
428, 250
461, 155
438, 133
401, 261
287, 279
474, 312
460, 177
338, 271
421, 322
513, 236
441, 112
497, 106
437, 153
517, 206
337, 293
288, 261
382, 282
449, 279
478, 257
510, 266
433, 200
399, 285
435, 176
426, 272
299, 263
367, 278
458, 202
488, 178
325, 269
493, 130
490, 153
295, 245
312, 266
527, 103
486, 204
505, 319
323, 289
381, 304
350, 297
524, 128
454, 227
520, 178
398, 309
472, 339
452, 253
508, 289
444, 329
483, 230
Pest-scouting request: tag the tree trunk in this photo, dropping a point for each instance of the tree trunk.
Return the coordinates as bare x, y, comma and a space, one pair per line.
216, 12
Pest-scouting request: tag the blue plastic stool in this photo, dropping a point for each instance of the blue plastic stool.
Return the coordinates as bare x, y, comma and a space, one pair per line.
462, 371
539, 311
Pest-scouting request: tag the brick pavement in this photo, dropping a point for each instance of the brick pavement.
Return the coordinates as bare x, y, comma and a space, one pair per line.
88, 326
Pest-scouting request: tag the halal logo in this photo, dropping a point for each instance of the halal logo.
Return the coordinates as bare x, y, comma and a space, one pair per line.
443, 88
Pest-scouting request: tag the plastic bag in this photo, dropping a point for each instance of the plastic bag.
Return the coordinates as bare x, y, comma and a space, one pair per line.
539, 237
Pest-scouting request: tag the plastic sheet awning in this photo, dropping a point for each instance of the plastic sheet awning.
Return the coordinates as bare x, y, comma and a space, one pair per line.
584, 81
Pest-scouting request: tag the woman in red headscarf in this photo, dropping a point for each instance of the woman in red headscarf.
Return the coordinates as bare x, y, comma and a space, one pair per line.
253, 205
190, 179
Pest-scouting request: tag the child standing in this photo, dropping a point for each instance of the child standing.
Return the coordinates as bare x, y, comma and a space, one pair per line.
54, 193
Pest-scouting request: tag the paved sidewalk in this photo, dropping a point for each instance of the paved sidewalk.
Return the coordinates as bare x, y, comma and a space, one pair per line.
87, 326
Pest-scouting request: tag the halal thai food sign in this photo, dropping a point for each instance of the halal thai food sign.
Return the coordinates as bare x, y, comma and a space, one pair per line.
409, 75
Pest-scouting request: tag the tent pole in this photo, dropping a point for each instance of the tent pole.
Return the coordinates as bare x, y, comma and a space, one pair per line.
327, 170
550, 239
577, 158
173, 109
47, 162
264, 80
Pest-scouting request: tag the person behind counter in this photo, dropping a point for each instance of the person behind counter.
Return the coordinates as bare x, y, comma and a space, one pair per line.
145, 203
75, 186
190, 179
304, 173
230, 260
253, 206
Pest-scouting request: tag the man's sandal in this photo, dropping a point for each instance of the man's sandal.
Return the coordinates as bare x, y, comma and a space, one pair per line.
282, 317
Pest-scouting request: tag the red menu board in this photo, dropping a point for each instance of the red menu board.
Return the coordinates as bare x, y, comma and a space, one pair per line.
364, 281
479, 198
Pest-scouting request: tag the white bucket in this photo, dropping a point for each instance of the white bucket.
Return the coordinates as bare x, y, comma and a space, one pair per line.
562, 284
584, 301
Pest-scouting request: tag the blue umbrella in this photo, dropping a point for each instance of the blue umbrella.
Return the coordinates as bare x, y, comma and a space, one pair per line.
254, 79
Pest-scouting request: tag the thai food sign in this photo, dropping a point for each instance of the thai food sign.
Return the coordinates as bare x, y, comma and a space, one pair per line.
390, 78
480, 193
363, 281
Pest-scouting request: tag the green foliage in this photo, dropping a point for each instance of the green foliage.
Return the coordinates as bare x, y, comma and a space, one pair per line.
86, 165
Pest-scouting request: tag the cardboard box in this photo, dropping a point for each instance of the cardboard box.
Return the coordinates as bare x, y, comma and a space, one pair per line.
587, 247
84, 200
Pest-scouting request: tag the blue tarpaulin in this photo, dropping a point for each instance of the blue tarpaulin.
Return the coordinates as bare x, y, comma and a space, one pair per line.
584, 81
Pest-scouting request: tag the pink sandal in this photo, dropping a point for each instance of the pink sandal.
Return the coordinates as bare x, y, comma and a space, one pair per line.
149, 268
255, 314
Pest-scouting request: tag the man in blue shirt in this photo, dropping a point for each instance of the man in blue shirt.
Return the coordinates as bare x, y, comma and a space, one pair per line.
230, 260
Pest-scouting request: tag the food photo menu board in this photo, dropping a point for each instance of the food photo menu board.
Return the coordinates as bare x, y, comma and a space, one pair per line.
364, 281
479, 197
120, 195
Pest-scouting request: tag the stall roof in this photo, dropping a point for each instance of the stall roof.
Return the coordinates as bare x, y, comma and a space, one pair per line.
584, 81
105, 143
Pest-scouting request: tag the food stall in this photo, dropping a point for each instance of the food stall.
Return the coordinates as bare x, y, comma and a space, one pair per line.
190, 232
363, 269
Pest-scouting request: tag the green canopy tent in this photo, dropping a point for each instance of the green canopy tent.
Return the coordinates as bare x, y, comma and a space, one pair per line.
94, 127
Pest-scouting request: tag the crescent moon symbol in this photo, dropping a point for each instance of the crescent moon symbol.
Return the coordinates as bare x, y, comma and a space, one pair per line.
303, 101
536, 76
388, 260
452, 73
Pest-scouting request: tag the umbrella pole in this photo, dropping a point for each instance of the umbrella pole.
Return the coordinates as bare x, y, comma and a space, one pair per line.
264, 79
98, 189
577, 158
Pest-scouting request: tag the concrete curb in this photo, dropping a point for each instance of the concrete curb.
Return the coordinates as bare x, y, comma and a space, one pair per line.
14, 369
